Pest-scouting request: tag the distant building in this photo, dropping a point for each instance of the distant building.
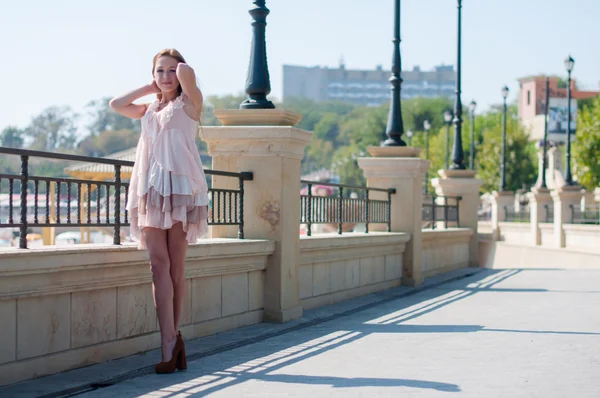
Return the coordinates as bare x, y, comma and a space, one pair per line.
364, 87
531, 107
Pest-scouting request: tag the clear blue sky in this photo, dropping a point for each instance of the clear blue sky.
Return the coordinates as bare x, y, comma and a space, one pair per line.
68, 52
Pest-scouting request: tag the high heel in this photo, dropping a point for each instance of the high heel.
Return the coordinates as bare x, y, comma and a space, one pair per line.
171, 365
181, 358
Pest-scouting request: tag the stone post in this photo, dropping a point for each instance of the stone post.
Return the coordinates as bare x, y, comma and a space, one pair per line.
464, 184
401, 168
265, 142
597, 194
587, 198
500, 200
539, 198
563, 198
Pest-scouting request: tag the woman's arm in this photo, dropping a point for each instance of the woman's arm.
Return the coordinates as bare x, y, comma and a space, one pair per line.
124, 105
187, 79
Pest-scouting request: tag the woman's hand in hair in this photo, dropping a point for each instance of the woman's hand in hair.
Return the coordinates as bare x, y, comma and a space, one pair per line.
187, 79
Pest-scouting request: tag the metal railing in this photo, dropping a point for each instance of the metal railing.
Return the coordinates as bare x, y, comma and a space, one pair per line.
98, 203
343, 204
522, 215
589, 214
444, 209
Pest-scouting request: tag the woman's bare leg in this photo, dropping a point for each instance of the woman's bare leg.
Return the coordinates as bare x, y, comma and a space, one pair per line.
162, 287
177, 247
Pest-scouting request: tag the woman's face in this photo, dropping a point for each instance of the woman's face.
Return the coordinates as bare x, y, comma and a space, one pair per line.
164, 73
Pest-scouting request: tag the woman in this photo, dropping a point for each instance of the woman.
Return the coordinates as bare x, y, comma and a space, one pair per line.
168, 194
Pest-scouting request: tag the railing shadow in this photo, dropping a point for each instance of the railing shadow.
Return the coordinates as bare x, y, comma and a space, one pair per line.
265, 362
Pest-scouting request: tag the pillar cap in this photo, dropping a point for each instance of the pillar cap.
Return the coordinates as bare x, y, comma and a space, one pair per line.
457, 173
257, 117
394, 151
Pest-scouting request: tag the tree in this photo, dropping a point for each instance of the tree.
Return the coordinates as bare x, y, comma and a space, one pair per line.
586, 147
52, 129
103, 118
521, 159
12, 137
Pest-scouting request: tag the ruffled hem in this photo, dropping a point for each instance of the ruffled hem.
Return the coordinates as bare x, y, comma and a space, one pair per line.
156, 211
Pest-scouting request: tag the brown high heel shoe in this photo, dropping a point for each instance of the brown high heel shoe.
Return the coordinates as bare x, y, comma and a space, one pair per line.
172, 364
181, 359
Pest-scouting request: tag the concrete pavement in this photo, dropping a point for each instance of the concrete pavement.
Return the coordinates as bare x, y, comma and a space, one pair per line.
497, 333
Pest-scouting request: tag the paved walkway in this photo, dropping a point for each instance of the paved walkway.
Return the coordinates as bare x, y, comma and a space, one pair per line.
498, 333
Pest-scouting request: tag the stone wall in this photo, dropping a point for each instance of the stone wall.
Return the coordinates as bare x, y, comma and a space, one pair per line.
63, 308
338, 267
445, 250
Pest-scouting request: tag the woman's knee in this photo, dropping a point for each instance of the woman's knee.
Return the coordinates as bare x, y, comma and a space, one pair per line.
160, 265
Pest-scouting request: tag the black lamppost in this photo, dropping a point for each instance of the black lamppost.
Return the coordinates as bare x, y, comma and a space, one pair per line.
503, 163
395, 126
258, 85
448, 121
458, 155
545, 141
569, 63
427, 127
472, 107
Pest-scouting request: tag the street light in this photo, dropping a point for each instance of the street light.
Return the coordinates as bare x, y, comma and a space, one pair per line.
427, 127
545, 141
409, 134
258, 84
569, 64
503, 163
472, 107
448, 121
395, 126
458, 155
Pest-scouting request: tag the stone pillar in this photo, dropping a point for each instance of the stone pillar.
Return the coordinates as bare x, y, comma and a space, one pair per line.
539, 198
587, 198
265, 142
464, 184
402, 169
563, 198
597, 194
500, 200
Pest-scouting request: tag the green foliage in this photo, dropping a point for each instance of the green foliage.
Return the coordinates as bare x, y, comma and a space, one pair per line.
341, 133
12, 137
103, 118
521, 164
586, 148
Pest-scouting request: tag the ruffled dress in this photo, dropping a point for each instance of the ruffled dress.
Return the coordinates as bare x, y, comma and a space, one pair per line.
167, 183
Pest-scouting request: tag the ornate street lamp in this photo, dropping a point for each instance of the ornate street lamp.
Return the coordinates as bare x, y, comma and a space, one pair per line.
569, 64
395, 125
427, 127
503, 163
457, 150
448, 121
409, 134
545, 141
258, 85
472, 107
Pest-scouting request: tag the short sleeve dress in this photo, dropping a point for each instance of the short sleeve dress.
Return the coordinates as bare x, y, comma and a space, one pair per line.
168, 184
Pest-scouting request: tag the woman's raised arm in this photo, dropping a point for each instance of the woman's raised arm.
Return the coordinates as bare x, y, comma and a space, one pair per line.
123, 104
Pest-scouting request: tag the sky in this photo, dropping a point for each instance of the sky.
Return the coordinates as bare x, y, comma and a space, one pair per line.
69, 52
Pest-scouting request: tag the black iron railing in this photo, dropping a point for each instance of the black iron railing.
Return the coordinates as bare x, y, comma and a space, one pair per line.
440, 209
522, 215
344, 205
589, 214
75, 202
549, 213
